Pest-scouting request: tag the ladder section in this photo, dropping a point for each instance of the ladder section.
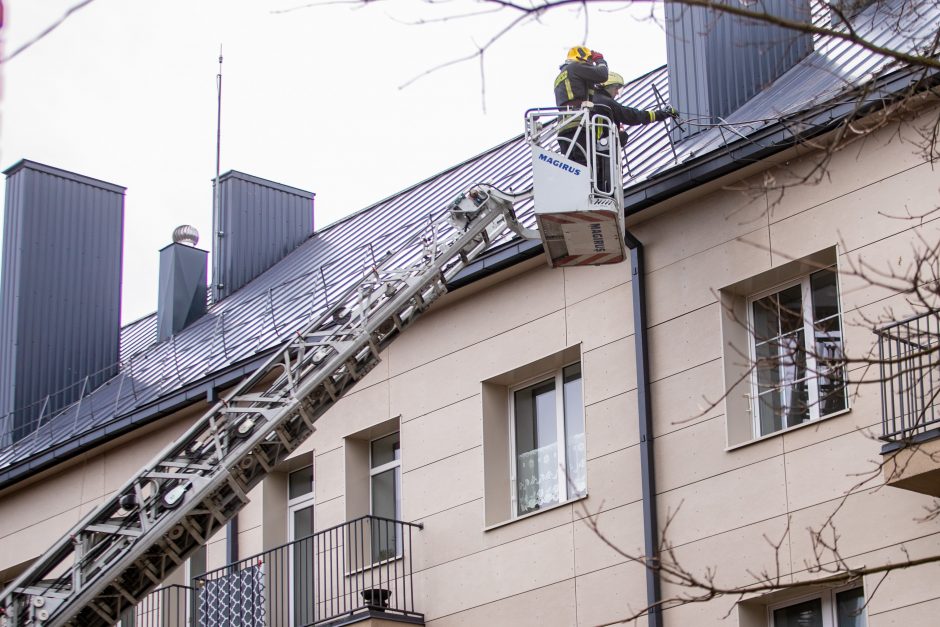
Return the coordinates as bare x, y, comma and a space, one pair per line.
112, 558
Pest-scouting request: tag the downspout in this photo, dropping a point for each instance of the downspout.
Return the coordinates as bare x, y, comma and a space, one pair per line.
644, 410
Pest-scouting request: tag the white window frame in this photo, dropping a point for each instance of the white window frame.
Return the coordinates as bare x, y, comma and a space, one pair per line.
395, 464
300, 502
377, 470
809, 333
828, 603
294, 505
561, 437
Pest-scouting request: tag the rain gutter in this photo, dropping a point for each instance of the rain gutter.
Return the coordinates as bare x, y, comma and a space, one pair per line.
92, 438
645, 414
771, 140
495, 260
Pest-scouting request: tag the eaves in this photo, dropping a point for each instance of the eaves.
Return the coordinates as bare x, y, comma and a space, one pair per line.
775, 138
733, 156
145, 415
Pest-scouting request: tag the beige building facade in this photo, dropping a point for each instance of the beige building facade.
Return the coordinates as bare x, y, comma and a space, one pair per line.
740, 505
496, 467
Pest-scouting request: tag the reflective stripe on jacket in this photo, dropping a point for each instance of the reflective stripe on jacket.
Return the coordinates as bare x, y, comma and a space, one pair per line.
575, 83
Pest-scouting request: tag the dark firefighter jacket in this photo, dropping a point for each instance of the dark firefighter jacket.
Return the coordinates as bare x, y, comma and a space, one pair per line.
575, 83
619, 113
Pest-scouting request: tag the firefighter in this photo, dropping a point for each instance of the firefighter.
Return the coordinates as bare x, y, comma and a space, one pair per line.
575, 84
606, 104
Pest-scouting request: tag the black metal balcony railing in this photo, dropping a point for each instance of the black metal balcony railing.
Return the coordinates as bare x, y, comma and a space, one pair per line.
337, 575
170, 606
909, 357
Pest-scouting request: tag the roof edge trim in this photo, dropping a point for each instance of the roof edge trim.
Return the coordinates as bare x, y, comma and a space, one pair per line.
744, 152
26, 164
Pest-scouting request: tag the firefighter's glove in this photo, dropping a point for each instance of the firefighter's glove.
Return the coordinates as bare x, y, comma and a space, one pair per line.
596, 56
665, 114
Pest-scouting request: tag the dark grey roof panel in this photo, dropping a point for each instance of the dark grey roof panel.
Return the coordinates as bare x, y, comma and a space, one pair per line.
61, 290
833, 69
719, 60
260, 222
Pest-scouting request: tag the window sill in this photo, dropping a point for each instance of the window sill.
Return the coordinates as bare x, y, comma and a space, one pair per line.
810, 423
379, 564
535, 513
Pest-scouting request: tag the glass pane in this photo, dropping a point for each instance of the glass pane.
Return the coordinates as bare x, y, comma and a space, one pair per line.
385, 450
303, 522
574, 432
794, 395
796, 403
791, 309
768, 367
536, 447
300, 482
830, 373
806, 614
302, 566
832, 397
197, 562
766, 321
770, 413
386, 487
385, 494
850, 608
825, 292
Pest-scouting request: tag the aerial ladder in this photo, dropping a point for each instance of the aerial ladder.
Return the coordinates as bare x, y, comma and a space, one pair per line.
111, 559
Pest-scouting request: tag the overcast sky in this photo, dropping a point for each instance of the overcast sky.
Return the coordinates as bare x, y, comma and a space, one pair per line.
125, 91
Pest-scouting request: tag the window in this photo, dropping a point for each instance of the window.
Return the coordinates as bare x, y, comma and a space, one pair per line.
300, 495
547, 422
373, 488
300, 503
782, 339
832, 608
533, 437
385, 495
796, 351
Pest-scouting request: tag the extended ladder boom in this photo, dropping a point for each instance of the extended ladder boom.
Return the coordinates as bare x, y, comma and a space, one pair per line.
111, 559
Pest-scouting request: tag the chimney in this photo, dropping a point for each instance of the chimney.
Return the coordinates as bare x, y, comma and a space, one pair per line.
182, 297
717, 61
60, 292
259, 223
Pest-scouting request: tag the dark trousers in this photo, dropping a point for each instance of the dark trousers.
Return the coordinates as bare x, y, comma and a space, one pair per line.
566, 138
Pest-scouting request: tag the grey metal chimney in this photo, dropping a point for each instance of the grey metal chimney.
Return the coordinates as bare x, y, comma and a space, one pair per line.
260, 222
717, 61
60, 291
182, 293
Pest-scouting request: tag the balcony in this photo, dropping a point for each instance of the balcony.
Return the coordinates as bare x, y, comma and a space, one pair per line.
909, 358
357, 572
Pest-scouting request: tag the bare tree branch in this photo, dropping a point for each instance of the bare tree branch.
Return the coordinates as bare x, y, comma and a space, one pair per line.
45, 32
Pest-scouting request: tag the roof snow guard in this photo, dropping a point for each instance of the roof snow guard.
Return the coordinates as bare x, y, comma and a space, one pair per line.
238, 332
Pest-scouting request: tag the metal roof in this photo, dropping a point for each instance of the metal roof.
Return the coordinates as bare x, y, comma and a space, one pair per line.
237, 332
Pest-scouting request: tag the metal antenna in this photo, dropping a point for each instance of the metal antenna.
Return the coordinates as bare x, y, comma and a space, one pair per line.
217, 209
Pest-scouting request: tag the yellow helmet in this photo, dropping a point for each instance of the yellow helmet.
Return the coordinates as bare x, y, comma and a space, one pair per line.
579, 53
613, 80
